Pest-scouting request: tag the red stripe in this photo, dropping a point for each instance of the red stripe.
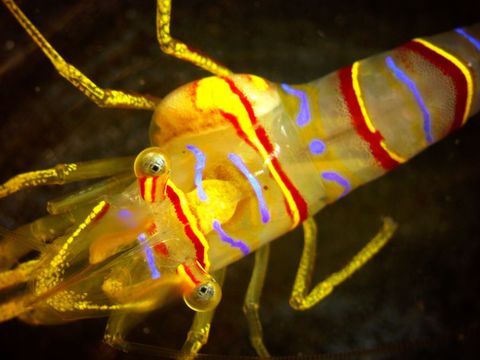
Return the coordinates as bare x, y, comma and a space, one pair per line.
189, 272
234, 121
141, 181
154, 187
265, 141
101, 213
297, 197
172, 195
199, 249
246, 104
161, 248
449, 69
358, 120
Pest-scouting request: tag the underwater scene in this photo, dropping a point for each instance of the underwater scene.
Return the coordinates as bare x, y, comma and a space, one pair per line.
416, 299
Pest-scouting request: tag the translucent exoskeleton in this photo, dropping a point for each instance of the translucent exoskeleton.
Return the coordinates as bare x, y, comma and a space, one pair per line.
158, 230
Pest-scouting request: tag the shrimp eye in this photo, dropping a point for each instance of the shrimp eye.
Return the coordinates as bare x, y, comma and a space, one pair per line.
151, 162
204, 297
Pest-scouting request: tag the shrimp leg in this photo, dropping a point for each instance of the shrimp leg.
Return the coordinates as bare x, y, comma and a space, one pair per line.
179, 49
101, 97
198, 334
252, 300
120, 323
35, 235
65, 173
300, 299
18, 275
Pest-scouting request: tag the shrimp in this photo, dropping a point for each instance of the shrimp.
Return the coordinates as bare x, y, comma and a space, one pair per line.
138, 250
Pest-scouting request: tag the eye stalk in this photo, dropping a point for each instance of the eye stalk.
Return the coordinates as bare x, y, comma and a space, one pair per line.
151, 162
152, 169
203, 297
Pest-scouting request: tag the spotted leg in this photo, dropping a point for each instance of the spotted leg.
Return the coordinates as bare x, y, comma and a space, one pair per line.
179, 49
101, 97
301, 298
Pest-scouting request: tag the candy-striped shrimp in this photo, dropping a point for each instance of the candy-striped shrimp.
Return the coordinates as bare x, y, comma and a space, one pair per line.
239, 248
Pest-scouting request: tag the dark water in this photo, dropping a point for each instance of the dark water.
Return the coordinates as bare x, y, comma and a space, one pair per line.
418, 299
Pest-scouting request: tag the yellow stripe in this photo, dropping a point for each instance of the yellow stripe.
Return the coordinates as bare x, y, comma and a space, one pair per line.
181, 271
463, 69
192, 220
148, 189
363, 109
206, 99
51, 275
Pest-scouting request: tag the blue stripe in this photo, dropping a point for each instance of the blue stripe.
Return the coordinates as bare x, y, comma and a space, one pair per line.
142, 238
237, 161
225, 238
199, 166
469, 37
303, 117
427, 122
336, 177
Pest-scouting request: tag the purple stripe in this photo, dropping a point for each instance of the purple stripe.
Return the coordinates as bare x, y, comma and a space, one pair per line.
336, 177
142, 239
427, 122
225, 238
469, 37
303, 117
199, 166
237, 161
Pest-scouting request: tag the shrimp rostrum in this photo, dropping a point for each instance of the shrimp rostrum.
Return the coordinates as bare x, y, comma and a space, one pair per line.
235, 162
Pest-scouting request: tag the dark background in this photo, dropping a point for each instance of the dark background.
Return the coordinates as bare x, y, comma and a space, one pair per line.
418, 299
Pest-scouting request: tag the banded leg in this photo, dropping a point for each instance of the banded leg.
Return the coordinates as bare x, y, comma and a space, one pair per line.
101, 97
300, 299
179, 49
65, 173
198, 334
252, 300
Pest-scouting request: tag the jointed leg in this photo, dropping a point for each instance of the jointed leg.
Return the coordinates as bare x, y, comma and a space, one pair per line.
300, 299
179, 49
200, 329
14, 307
102, 97
65, 173
70, 202
35, 235
18, 275
120, 323
252, 300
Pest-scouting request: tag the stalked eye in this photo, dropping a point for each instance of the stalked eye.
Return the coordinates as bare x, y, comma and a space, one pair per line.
151, 162
204, 297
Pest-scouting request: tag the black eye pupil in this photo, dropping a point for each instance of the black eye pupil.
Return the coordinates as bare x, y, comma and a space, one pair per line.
154, 167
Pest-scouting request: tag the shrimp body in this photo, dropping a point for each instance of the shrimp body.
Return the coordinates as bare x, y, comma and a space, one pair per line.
250, 159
